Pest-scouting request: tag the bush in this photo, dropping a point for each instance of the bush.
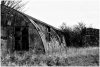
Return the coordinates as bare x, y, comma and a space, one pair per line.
77, 37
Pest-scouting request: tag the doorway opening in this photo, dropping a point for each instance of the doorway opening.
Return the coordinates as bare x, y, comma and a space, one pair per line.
21, 38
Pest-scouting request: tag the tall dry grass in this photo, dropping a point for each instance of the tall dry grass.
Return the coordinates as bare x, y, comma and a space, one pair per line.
71, 57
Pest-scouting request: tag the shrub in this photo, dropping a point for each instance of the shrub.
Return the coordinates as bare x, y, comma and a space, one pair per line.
77, 37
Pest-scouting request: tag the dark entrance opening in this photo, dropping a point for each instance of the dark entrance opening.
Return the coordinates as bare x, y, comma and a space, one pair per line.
21, 38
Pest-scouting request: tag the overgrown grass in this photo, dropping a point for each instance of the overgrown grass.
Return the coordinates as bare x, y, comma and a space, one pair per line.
71, 57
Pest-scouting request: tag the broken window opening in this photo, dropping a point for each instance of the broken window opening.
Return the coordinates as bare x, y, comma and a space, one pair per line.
48, 34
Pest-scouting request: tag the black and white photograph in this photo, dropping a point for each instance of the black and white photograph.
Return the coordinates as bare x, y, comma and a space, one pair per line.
49, 33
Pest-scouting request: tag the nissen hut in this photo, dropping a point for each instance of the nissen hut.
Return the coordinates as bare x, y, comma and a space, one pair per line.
21, 32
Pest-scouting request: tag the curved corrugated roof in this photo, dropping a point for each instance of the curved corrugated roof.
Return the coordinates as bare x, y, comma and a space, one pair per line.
40, 22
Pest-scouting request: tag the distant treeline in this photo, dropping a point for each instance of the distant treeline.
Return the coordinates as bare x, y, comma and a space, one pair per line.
80, 35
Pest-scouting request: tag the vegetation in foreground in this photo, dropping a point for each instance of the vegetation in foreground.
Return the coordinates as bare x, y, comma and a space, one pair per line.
73, 57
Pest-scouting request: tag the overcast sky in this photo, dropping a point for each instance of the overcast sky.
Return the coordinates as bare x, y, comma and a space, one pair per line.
55, 12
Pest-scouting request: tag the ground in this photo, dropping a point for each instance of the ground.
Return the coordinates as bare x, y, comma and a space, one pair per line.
88, 56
